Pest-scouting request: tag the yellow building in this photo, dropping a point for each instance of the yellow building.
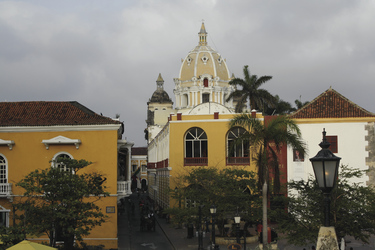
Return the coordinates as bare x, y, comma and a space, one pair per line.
34, 133
195, 132
139, 168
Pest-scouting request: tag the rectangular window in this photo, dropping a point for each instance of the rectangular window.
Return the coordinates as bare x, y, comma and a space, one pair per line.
332, 139
189, 147
3, 219
144, 168
205, 98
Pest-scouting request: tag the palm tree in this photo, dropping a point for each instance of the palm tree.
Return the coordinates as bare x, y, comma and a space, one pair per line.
300, 104
250, 90
279, 130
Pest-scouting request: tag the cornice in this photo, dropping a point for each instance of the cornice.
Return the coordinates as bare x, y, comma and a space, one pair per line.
59, 128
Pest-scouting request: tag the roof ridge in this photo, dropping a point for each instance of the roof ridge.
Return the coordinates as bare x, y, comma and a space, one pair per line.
300, 111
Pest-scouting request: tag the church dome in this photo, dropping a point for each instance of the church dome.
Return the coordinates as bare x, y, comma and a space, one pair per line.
204, 77
160, 95
203, 61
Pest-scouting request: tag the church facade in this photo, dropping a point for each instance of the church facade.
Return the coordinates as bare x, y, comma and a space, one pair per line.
195, 132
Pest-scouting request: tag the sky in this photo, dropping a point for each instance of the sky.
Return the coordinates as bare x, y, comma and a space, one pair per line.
107, 54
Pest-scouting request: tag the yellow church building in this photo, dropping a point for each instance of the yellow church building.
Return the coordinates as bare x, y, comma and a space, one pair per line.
32, 134
195, 132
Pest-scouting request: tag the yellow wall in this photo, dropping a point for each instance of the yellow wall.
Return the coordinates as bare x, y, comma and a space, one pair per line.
216, 130
99, 147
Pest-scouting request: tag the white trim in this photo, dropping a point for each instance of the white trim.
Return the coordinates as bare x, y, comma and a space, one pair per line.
60, 153
204, 121
60, 128
9, 143
61, 140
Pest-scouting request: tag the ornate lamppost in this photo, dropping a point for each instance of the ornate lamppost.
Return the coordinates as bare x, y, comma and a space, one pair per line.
237, 220
213, 213
326, 165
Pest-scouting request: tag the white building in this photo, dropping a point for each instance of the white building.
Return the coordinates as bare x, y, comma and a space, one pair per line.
350, 130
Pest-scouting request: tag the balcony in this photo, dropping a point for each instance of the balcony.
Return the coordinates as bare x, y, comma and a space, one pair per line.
196, 161
124, 188
238, 160
5, 189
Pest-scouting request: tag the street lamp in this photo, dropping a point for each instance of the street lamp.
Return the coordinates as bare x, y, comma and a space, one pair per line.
213, 213
326, 165
237, 220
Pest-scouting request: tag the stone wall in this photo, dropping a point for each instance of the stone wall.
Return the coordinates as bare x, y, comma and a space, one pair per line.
370, 160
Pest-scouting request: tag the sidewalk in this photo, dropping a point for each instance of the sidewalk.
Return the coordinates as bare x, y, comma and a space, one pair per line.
129, 236
179, 240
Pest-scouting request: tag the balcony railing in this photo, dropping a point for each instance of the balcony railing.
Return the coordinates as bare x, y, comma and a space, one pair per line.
5, 189
196, 161
124, 188
238, 160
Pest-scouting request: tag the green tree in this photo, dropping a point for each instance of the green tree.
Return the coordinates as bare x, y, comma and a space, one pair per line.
281, 107
61, 201
352, 209
278, 131
250, 89
230, 190
300, 104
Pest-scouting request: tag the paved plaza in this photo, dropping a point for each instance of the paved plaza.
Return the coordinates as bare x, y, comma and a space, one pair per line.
167, 237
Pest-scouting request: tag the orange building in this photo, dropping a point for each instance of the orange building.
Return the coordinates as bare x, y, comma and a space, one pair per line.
34, 133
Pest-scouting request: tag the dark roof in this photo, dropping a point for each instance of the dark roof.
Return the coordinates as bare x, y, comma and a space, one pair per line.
160, 96
39, 113
331, 104
139, 150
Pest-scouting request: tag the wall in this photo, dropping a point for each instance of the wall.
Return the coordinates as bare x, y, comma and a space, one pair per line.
351, 147
99, 147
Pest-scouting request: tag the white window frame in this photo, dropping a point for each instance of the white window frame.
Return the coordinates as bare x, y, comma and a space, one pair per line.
6, 211
57, 155
6, 167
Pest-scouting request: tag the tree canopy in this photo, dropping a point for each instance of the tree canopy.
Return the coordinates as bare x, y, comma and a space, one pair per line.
352, 209
279, 130
60, 201
230, 190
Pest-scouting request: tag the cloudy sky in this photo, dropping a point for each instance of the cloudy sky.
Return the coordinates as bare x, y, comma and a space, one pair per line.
107, 54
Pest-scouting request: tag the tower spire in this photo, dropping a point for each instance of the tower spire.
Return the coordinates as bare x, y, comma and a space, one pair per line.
202, 35
160, 83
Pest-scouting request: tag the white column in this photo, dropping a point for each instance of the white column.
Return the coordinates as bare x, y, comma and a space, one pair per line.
129, 148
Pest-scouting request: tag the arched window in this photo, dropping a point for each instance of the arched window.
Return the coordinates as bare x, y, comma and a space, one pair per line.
238, 151
196, 147
61, 165
3, 170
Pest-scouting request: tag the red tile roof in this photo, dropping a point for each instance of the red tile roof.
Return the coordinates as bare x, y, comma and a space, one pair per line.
331, 104
40, 113
139, 150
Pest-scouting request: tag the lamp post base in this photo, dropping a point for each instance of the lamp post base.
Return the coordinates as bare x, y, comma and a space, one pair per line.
327, 239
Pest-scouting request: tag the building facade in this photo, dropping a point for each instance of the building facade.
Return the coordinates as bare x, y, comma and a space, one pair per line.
350, 130
195, 132
139, 168
32, 134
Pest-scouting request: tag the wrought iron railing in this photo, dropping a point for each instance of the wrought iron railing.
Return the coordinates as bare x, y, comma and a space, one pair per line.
196, 161
238, 160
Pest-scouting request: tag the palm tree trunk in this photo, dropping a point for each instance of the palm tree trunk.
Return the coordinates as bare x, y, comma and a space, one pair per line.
265, 231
